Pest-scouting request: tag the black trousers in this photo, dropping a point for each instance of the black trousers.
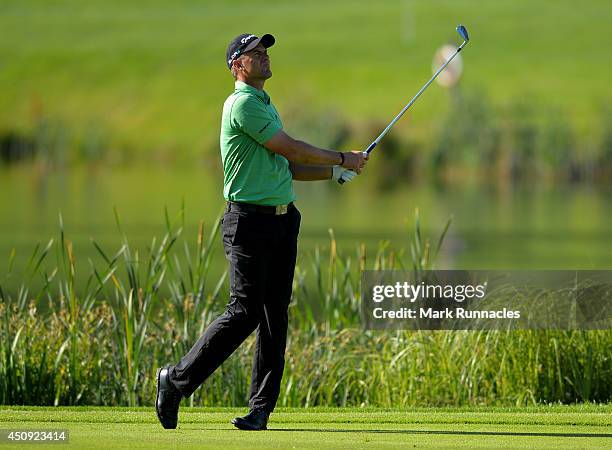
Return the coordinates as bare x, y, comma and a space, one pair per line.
261, 249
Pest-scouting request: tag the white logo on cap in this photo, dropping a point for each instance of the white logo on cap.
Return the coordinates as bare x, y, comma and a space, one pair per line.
236, 53
244, 40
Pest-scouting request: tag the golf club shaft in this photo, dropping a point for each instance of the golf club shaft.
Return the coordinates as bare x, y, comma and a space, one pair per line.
463, 32
386, 130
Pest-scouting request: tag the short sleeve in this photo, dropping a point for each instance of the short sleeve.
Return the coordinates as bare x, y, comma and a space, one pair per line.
251, 116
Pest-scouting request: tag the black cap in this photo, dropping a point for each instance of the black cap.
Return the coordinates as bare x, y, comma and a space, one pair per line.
244, 43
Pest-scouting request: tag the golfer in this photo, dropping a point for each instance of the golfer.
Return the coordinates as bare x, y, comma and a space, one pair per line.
259, 230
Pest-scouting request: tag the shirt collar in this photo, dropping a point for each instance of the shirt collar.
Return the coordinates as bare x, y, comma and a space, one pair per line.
241, 86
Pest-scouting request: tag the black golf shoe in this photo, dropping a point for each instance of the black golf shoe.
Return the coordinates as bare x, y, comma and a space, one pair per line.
255, 420
167, 401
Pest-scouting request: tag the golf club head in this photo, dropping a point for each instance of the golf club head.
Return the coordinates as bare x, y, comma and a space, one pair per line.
463, 33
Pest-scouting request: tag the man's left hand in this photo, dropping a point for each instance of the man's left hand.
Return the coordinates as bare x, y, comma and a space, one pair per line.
339, 172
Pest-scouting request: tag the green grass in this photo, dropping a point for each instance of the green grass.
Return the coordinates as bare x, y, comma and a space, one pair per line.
153, 76
101, 344
576, 426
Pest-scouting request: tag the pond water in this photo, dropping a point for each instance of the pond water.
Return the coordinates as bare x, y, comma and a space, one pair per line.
529, 226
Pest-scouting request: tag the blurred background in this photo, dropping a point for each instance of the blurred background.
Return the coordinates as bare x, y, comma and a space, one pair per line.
109, 104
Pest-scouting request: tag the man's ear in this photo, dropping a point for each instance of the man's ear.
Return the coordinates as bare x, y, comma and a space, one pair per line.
238, 65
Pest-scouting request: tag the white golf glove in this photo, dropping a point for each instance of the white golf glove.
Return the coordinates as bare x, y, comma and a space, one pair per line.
339, 172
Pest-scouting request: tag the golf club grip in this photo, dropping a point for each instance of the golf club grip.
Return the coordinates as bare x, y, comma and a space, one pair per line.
366, 153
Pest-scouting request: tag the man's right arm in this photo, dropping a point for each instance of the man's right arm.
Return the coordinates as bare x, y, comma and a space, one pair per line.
303, 153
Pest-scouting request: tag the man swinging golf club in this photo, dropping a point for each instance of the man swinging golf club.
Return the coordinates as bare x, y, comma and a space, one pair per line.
259, 230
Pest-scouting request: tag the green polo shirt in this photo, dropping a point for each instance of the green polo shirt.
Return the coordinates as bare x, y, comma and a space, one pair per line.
252, 173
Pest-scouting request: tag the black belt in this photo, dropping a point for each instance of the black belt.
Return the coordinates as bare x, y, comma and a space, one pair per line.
249, 207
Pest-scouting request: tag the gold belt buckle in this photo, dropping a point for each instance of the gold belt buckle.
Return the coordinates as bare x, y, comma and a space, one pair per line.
281, 209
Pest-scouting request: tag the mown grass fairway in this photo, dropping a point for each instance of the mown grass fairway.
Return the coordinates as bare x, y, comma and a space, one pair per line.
585, 426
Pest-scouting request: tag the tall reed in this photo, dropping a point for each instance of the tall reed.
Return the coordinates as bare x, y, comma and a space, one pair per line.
102, 343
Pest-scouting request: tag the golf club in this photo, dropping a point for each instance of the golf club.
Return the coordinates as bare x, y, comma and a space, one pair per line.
464, 35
